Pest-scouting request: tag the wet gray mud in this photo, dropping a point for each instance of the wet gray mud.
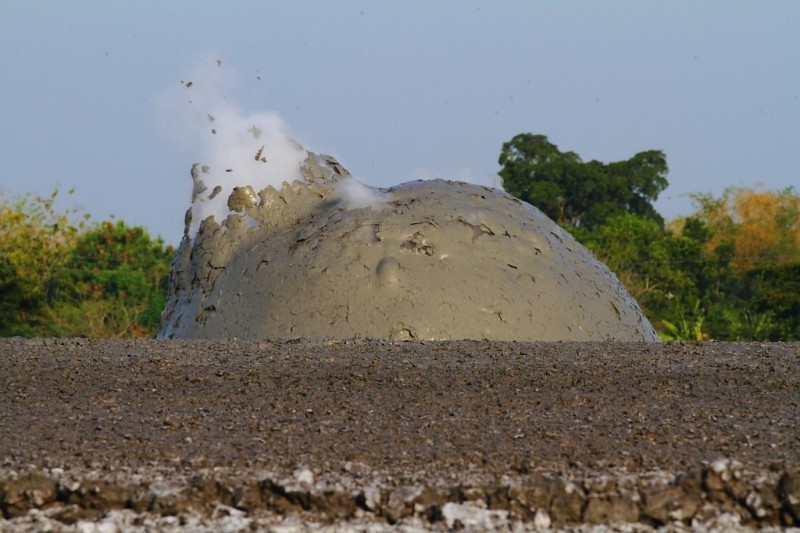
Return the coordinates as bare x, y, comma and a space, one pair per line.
426, 260
379, 435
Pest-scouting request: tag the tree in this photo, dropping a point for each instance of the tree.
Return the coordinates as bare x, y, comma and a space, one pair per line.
760, 227
748, 284
62, 277
658, 268
35, 242
114, 283
581, 194
774, 292
768, 228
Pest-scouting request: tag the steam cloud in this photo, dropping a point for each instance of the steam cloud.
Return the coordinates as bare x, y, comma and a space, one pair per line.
238, 147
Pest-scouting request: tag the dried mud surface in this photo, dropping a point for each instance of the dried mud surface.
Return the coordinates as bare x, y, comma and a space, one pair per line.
376, 434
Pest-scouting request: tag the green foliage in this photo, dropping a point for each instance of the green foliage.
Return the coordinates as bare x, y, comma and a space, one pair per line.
648, 260
686, 328
729, 271
751, 241
119, 264
716, 274
35, 241
581, 194
774, 292
62, 277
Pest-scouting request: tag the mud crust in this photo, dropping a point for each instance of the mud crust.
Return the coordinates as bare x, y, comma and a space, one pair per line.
377, 435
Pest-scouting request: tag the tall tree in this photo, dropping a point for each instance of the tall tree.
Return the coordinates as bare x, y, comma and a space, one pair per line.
577, 193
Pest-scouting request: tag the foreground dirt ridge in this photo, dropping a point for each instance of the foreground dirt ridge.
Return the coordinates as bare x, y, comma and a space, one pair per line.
540, 499
379, 434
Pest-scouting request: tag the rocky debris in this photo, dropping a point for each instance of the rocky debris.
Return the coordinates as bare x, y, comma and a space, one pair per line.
538, 501
426, 260
789, 495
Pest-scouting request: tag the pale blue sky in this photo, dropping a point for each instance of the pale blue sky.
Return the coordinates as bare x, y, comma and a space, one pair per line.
399, 90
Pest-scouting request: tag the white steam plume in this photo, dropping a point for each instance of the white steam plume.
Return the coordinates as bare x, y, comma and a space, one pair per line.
238, 148
356, 195
247, 149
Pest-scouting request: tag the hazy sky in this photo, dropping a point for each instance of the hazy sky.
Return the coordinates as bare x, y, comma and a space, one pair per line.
398, 90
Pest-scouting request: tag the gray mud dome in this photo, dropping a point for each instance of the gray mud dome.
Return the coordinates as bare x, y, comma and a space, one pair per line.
378, 435
432, 260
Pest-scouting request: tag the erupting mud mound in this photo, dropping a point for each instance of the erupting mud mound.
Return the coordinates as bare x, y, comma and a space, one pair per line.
424, 260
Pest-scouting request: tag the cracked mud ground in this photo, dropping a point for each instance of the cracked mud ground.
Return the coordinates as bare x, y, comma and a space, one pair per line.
435, 435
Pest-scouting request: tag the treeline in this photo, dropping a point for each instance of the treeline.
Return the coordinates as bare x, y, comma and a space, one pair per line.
728, 271
62, 277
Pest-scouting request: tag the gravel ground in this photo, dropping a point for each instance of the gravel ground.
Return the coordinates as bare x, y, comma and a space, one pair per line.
106, 435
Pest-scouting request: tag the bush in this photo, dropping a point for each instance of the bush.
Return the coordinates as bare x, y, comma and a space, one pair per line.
65, 277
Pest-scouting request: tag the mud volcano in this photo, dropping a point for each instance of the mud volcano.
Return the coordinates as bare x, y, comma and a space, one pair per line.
430, 260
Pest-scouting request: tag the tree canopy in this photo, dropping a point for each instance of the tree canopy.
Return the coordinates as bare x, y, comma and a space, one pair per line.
762, 227
728, 271
65, 277
581, 194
